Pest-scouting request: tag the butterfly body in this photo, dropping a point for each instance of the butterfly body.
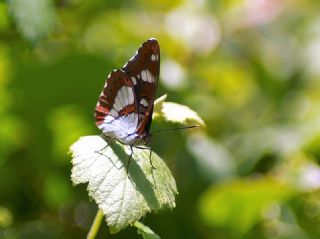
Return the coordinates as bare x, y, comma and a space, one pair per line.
125, 106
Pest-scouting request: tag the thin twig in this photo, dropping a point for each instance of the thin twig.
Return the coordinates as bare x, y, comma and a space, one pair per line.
95, 225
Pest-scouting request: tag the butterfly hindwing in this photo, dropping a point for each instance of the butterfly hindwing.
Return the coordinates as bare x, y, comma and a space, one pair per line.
115, 112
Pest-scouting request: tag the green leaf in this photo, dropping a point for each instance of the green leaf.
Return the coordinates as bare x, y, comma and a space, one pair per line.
158, 104
176, 113
6, 217
145, 231
67, 118
124, 197
34, 18
4, 17
238, 204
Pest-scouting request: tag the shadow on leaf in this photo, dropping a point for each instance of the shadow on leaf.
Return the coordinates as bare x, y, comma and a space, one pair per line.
136, 174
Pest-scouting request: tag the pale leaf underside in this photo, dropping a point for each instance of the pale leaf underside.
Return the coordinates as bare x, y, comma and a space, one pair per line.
176, 113
124, 197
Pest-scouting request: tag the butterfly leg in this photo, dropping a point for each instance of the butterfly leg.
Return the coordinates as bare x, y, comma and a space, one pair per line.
101, 153
100, 150
150, 153
131, 148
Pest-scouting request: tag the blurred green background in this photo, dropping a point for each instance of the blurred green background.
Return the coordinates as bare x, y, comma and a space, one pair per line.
250, 68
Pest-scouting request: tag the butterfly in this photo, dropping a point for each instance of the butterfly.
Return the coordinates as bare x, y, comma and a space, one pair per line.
125, 106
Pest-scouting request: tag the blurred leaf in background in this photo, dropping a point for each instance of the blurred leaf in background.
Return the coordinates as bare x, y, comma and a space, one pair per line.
238, 205
34, 18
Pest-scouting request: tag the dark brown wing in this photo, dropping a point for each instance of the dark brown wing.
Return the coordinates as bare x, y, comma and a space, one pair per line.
115, 113
143, 69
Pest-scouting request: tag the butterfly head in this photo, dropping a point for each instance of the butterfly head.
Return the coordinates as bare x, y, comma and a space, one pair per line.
144, 138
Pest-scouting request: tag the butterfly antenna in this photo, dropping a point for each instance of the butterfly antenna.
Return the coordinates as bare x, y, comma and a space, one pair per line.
178, 128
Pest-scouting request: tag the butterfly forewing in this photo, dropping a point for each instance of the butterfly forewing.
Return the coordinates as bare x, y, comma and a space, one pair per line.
125, 106
144, 69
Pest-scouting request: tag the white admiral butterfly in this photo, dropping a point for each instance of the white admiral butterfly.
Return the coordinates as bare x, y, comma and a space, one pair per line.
125, 106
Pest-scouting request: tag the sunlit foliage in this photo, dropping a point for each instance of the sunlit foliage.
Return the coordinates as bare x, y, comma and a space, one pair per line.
250, 68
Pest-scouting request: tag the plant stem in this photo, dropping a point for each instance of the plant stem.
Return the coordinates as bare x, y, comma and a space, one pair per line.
95, 225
